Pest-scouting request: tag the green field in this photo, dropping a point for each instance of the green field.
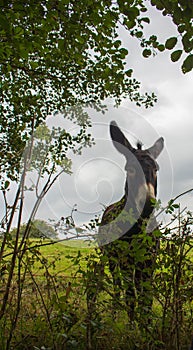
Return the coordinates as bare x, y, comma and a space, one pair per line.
63, 256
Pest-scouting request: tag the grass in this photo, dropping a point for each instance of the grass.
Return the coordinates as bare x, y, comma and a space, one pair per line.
63, 257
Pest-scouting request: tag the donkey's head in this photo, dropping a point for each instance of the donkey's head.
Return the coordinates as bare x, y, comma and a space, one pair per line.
141, 169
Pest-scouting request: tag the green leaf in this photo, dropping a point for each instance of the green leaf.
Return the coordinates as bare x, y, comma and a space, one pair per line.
177, 15
161, 47
129, 23
176, 55
176, 206
159, 5
188, 64
187, 42
131, 12
139, 34
146, 53
181, 28
170, 43
7, 183
34, 65
129, 72
145, 19
124, 52
117, 43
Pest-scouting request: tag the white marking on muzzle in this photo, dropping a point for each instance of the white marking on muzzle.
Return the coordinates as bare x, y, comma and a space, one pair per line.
146, 192
151, 191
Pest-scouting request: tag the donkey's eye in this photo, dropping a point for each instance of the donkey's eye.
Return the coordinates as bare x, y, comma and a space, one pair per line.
131, 170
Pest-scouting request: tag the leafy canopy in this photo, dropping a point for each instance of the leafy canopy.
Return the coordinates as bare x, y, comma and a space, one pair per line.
60, 54
181, 13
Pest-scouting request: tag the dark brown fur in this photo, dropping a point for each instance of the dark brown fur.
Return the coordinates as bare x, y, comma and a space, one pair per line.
124, 224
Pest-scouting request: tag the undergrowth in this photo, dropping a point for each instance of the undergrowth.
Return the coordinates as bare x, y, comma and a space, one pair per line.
47, 305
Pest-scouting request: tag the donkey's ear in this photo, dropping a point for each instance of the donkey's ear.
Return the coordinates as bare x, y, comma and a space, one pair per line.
119, 140
157, 147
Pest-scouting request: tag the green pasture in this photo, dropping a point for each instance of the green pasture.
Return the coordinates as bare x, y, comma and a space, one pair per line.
63, 255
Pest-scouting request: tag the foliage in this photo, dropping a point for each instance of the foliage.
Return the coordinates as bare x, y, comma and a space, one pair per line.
167, 325
173, 281
39, 229
181, 13
56, 55
57, 313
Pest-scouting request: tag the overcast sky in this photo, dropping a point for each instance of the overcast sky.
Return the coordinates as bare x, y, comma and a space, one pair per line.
99, 177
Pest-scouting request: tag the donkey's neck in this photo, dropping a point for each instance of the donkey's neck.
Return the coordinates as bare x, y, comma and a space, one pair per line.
131, 205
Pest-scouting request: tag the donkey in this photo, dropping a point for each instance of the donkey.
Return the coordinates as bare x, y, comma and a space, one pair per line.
125, 236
